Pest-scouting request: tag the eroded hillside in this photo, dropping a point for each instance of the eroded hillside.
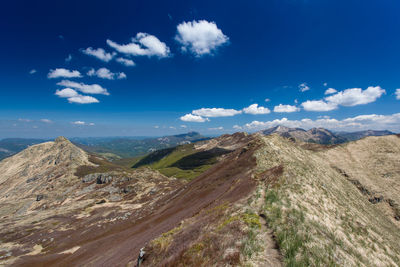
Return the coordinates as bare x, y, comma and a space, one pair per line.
54, 195
269, 202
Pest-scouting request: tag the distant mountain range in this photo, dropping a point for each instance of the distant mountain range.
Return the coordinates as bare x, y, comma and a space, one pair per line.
321, 135
126, 147
11, 146
361, 134
110, 147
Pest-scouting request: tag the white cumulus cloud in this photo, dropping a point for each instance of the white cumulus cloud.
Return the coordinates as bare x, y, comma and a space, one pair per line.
286, 108
143, 44
193, 118
348, 98
63, 73
216, 128
356, 96
200, 37
125, 61
74, 97
318, 105
330, 91
357, 123
84, 88
216, 112
83, 99
99, 53
121, 75
105, 73
66, 92
255, 110
303, 87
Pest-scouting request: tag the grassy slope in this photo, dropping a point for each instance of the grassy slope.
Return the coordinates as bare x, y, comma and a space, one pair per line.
319, 217
176, 162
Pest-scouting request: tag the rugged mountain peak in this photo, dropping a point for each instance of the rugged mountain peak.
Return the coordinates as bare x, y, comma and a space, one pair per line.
34, 170
314, 135
61, 139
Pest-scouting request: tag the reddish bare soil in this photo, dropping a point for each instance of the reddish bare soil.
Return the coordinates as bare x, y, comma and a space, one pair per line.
118, 244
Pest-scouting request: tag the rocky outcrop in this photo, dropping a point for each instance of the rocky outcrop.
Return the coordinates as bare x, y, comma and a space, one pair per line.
314, 135
100, 178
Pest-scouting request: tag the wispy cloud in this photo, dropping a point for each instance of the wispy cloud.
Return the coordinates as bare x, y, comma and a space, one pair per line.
63, 73
82, 123
216, 128
46, 121
99, 53
397, 93
216, 112
68, 58
24, 120
143, 44
200, 37
33, 71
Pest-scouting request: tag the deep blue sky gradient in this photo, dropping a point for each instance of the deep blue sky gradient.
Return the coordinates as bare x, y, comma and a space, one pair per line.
273, 47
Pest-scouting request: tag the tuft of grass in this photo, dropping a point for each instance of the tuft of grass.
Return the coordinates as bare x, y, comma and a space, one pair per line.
289, 231
162, 243
250, 245
251, 219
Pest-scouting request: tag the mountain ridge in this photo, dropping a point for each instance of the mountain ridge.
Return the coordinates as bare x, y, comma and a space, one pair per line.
268, 201
321, 135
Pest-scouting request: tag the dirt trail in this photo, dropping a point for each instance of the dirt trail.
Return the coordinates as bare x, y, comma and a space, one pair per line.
118, 244
270, 256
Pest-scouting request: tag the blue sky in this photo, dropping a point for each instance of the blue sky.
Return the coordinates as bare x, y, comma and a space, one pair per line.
135, 68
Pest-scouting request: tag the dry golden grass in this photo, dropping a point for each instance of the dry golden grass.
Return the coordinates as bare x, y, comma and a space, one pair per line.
318, 216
